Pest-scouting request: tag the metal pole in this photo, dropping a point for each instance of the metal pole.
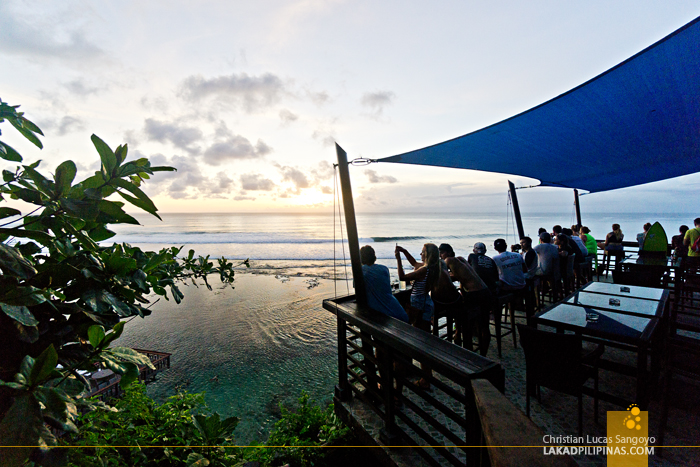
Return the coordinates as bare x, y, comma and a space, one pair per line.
516, 210
578, 208
353, 241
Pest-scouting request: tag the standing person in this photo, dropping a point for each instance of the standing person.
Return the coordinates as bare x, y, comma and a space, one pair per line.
484, 266
691, 237
378, 286
511, 267
425, 277
679, 249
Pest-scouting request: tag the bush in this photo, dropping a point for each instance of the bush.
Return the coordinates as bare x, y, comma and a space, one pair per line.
183, 420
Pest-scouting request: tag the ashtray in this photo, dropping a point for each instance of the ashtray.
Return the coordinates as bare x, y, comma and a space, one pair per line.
625, 289
592, 317
614, 301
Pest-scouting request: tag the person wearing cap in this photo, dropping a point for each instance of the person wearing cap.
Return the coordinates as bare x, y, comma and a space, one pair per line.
511, 267
484, 266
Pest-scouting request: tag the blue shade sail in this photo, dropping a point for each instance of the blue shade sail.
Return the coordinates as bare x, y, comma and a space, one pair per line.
638, 122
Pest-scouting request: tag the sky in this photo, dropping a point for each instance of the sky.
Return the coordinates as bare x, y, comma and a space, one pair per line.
246, 99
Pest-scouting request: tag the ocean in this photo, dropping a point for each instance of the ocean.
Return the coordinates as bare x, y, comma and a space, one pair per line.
265, 340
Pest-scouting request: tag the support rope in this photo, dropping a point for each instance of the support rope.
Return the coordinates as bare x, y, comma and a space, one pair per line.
336, 195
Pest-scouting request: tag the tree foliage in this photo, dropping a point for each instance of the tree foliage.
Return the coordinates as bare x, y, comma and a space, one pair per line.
64, 292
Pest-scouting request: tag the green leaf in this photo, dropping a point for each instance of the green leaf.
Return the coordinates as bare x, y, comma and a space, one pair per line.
28, 334
38, 235
100, 233
20, 427
20, 126
22, 296
109, 160
13, 263
130, 355
79, 208
65, 174
96, 335
195, 459
120, 153
9, 212
20, 314
116, 332
146, 203
115, 212
44, 364
8, 153
30, 196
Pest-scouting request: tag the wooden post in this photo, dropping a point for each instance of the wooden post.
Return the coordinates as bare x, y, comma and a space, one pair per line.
578, 208
342, 390
353, 241
516, 210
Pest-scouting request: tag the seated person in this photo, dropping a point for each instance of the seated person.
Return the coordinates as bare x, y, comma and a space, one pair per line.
511, 267
589, 241
477, 298
679, 249
378, 286
613, 240
547, 255
484, 266
529, 255
578, 242
643, 235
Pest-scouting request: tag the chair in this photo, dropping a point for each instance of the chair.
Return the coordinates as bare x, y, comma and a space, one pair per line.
549, 284
682, 358
568, 276
584, 273
556, 361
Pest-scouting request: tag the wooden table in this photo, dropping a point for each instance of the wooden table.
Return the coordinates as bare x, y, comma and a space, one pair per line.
632, 325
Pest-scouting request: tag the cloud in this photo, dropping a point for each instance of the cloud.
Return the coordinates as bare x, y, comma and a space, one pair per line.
288, 117
158, 103
235, 147
80, 88
252, 93
323, 172
296, 176
326, 190
253, 182
376, 101
318, 98
29, 36
222, 184
243, 198
181, 137
374, 178
67, 124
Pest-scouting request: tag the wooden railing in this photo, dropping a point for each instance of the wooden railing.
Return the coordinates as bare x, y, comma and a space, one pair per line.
375, 350
160, 360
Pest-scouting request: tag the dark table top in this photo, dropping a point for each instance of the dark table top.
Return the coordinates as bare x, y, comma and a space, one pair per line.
628, 305
652, 260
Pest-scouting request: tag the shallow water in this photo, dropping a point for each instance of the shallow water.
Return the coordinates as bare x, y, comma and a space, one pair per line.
266, 341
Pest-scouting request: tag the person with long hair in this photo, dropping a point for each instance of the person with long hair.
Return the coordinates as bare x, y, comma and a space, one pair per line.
426, 278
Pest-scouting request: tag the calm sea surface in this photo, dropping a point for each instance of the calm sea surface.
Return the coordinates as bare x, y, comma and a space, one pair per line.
269, 338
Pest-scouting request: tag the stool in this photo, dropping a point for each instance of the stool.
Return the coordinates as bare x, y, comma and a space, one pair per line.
607, 254
506, 300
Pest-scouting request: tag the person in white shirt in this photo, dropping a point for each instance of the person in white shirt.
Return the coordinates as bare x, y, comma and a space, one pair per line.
511, 267
547, 254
